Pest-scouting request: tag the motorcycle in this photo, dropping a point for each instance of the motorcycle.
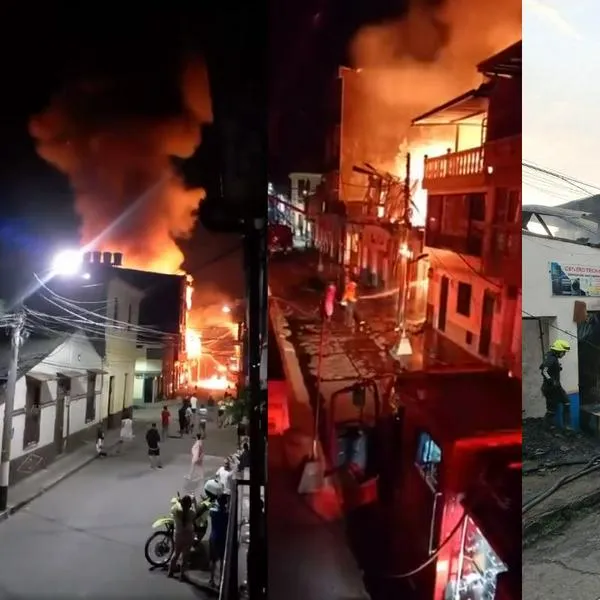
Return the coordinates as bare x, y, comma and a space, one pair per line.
160, 546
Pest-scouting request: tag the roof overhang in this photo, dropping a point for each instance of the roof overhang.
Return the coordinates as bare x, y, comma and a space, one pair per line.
38, 376
71, 374
507, 63
458, 110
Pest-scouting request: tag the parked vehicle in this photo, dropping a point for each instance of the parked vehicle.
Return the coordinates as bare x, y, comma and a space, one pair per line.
160, 545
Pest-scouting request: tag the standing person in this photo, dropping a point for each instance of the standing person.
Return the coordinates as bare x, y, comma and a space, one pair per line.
197, 466
153, 443
126, 433
224, 476
219, 518
184, 515
552, 389
202, 416
194, 406
349, 301
244, 461
189, 420
100, 443
220, 414
165, 419
181, 416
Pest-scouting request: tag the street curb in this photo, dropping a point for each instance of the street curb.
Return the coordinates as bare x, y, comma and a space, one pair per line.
11, 510
316, 502
552, 521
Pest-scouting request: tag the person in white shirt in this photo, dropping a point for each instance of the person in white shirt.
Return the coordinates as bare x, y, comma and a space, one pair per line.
225, 477
194, 407
197, 466
126, 435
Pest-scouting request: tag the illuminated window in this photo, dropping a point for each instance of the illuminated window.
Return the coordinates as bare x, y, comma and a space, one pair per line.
429, 457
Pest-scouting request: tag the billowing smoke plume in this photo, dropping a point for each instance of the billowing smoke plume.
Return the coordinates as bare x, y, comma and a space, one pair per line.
410, 66
119, 164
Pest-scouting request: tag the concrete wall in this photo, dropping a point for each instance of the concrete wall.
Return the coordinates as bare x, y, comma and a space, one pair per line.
535, 342
506, 322
121, 350
538, 253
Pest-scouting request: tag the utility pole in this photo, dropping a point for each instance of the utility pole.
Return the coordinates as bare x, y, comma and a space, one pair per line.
403, 347
9, 404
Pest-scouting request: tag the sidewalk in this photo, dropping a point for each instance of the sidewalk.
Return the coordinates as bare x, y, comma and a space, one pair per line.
309, 557
27, 490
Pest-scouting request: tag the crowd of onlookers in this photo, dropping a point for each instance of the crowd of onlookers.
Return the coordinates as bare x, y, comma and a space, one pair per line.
192, 416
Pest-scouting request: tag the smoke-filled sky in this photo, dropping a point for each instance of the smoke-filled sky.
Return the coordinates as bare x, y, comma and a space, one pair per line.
424, 52
411, 64
90, 117
119, 163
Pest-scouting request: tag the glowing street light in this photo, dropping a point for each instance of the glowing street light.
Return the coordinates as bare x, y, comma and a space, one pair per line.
67, 262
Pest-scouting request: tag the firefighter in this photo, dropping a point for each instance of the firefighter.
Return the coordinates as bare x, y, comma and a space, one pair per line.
349, 301
553, 391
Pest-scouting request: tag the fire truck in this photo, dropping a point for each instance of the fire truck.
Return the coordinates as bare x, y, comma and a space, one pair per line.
440, 455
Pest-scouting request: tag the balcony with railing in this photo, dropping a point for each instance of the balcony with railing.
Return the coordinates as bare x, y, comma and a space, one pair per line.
475, 167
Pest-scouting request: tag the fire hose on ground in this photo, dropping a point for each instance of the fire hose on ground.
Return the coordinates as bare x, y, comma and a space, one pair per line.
591, 466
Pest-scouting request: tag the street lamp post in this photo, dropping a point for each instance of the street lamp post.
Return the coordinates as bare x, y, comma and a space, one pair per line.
9, 405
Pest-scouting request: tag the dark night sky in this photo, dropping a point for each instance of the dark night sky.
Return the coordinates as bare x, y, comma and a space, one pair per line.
60, 44
46, 45
309, 40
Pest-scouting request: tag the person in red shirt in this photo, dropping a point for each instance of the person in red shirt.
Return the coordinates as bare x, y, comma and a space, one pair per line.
165, 419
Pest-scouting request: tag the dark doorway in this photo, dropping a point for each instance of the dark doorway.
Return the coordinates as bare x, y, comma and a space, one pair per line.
148, 390
443, 304
487, 321
63, 390
111, 402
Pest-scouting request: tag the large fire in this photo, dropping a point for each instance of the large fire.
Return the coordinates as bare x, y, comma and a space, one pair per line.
406, 67
128, 194
205, 369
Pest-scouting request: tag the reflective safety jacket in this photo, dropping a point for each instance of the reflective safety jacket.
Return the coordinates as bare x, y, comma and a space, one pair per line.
551, 368
349, 293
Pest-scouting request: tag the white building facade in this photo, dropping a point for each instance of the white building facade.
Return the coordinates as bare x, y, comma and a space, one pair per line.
302, 185
121, 349
58, 405
556, 275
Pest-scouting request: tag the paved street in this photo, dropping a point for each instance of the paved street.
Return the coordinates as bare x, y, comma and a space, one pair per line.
85, 537
565, 566
348, 355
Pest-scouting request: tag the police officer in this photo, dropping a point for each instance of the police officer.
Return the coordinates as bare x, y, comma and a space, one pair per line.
553, 391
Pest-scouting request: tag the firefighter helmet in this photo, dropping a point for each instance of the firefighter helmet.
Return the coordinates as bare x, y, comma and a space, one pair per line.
560, 346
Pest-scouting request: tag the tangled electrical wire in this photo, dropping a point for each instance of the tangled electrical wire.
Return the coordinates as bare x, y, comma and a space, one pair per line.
592, 466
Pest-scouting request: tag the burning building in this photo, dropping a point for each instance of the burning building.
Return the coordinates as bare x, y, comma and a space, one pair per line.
473, 231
